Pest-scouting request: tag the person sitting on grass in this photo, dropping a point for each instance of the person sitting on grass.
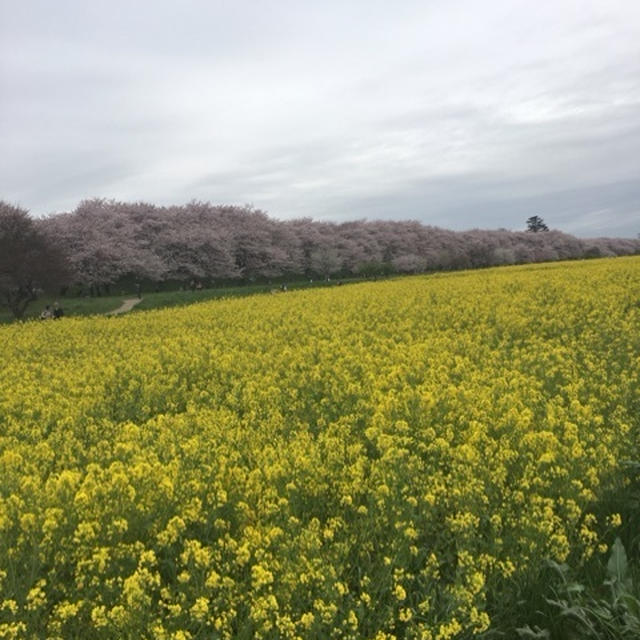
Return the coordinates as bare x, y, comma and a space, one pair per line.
46, 313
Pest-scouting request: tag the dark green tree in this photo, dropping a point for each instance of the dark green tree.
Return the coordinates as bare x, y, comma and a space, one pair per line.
28, 260
535, 224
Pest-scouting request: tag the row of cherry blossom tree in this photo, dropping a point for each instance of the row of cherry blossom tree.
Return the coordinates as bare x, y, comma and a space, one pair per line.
108, 240
103, 242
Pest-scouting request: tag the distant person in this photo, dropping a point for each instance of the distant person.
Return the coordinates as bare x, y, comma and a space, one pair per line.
58, 311
138, 290
46, 313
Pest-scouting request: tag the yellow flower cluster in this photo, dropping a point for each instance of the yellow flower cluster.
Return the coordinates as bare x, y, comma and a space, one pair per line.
372, 461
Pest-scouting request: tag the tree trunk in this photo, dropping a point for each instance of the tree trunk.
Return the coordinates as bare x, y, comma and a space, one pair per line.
18, 302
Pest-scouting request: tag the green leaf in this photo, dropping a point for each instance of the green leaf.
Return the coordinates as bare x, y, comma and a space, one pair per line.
633, 605
531, 634
617, 565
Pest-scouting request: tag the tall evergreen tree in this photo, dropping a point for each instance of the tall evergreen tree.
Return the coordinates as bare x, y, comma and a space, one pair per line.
535, 224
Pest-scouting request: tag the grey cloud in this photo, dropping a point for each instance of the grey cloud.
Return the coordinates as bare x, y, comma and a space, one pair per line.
450, 113
482, 202
63, 186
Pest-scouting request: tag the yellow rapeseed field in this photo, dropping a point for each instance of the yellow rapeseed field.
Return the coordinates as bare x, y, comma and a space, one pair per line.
380, 460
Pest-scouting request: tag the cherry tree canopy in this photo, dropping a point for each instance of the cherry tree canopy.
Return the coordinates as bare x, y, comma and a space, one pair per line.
108, 240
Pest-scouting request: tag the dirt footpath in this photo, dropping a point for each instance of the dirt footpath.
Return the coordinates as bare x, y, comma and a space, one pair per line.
127, 305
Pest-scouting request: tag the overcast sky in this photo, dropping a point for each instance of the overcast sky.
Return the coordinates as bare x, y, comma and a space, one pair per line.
459, 114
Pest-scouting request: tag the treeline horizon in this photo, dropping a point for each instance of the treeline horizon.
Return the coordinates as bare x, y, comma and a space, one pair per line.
107, 241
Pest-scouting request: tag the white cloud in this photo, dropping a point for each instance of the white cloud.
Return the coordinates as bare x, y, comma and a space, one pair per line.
325, 109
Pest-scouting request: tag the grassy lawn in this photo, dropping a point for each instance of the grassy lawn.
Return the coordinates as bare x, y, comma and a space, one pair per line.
165, 299
84, 306
72, 306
